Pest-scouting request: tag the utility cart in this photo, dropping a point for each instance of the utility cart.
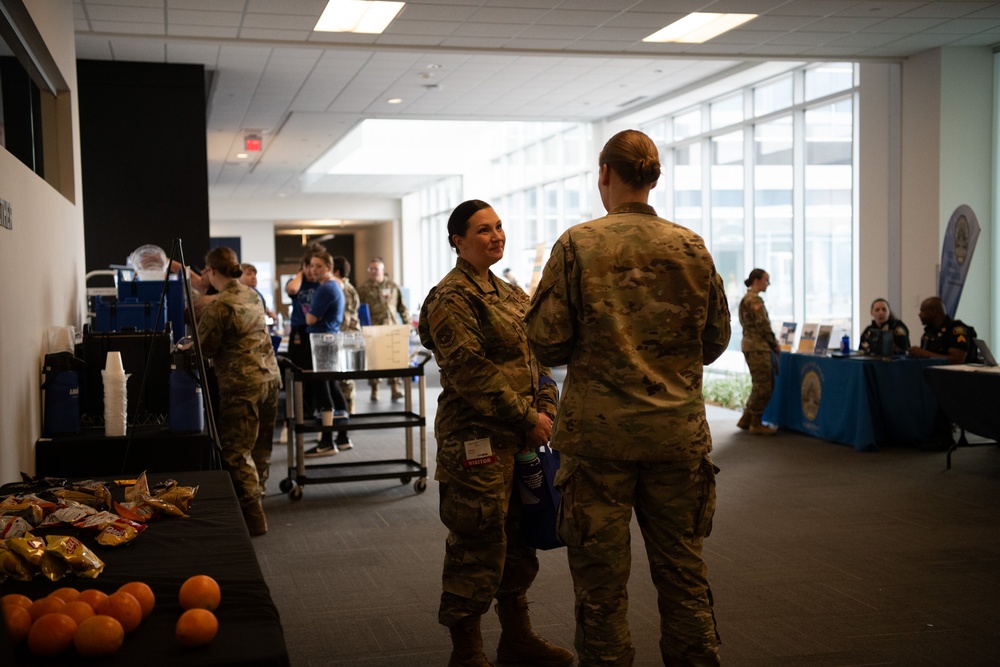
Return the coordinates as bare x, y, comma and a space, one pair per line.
404, 469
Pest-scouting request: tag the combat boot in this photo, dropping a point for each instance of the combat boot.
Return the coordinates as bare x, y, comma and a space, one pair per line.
518, 642
759, 428
253, 515
744, 422
467, 644
374, 393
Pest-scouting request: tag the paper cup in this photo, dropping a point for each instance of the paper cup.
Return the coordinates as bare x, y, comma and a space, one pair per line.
114, 363
327, 416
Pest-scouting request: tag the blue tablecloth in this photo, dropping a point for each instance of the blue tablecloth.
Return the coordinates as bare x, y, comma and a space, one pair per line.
857, 401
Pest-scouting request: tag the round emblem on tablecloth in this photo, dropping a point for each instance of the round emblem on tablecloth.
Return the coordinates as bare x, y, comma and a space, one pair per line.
812, 394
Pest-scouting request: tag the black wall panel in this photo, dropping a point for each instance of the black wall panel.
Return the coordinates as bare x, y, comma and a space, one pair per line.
144, 159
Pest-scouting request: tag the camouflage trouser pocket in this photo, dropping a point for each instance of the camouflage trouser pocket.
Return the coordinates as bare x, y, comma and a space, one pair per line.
703, 524
566, 527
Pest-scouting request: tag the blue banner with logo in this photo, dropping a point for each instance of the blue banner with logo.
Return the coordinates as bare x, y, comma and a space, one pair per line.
956, 254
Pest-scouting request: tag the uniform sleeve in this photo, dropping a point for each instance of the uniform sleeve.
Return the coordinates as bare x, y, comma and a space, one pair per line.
718, 327
551, 319
401, 308
901, 336
459, 348
211, 327
761, 323
547, 400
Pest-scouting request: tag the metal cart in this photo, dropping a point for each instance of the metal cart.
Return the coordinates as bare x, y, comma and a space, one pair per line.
403, 469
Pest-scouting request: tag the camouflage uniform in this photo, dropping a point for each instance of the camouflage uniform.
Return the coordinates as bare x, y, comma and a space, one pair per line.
384, 301
233, 334
349, 324
633, 304
490, 389
758, 344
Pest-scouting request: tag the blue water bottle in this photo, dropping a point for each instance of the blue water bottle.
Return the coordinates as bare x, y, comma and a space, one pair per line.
187, 414
845, 344
62, 394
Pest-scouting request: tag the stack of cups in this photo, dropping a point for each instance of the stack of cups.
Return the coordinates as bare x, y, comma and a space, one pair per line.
115, 398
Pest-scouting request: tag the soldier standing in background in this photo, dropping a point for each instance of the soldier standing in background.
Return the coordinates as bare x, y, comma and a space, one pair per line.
384, 303
633, 305
233, 335
351, 323
760, 347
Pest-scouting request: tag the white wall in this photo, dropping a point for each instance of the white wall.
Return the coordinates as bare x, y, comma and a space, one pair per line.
966, 170
879, 237
256, 247
41, 265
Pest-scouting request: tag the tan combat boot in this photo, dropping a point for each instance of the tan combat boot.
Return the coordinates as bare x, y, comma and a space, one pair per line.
759, 428
253, 515
744, 422
518, 642
467, 644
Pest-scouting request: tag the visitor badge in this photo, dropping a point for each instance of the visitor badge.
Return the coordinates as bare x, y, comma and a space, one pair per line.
478, 453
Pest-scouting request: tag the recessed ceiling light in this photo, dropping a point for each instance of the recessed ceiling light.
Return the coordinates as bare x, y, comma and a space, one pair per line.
394, 100
699, 27
357, 16
242, 156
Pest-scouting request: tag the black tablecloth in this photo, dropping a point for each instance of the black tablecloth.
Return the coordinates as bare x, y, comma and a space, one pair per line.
153, 449
212, 540
968, 395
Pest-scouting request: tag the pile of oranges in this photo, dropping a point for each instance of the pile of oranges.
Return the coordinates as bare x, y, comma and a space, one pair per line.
95, 623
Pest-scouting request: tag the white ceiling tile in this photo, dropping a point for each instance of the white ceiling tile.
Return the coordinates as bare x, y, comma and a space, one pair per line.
504, 15
304, 7
904, 25
278, 21
125, 28
234, 6
950, 9
125, 13
193, 17
276, 35
432, 12
216, 32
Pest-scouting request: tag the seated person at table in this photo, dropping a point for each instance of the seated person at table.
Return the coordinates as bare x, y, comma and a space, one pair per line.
944, 338
884, 320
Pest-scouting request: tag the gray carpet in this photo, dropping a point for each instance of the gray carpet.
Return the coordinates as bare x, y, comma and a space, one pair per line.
820, 556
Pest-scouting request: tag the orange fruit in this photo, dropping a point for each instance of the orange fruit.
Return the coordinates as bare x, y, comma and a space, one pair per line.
200, 592
124, 607
92, 596
43, 606
143, 593
196, 627
99, 636
18, 622
17, 599
66, 593
51, 635
78, 610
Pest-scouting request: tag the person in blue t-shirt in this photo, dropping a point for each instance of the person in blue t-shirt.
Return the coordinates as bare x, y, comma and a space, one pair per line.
301, 288
326, 312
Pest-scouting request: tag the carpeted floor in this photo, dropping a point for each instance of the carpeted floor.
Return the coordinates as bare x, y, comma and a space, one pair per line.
820, 556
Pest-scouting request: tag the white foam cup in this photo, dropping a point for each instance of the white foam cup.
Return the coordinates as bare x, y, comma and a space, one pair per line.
114, 363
